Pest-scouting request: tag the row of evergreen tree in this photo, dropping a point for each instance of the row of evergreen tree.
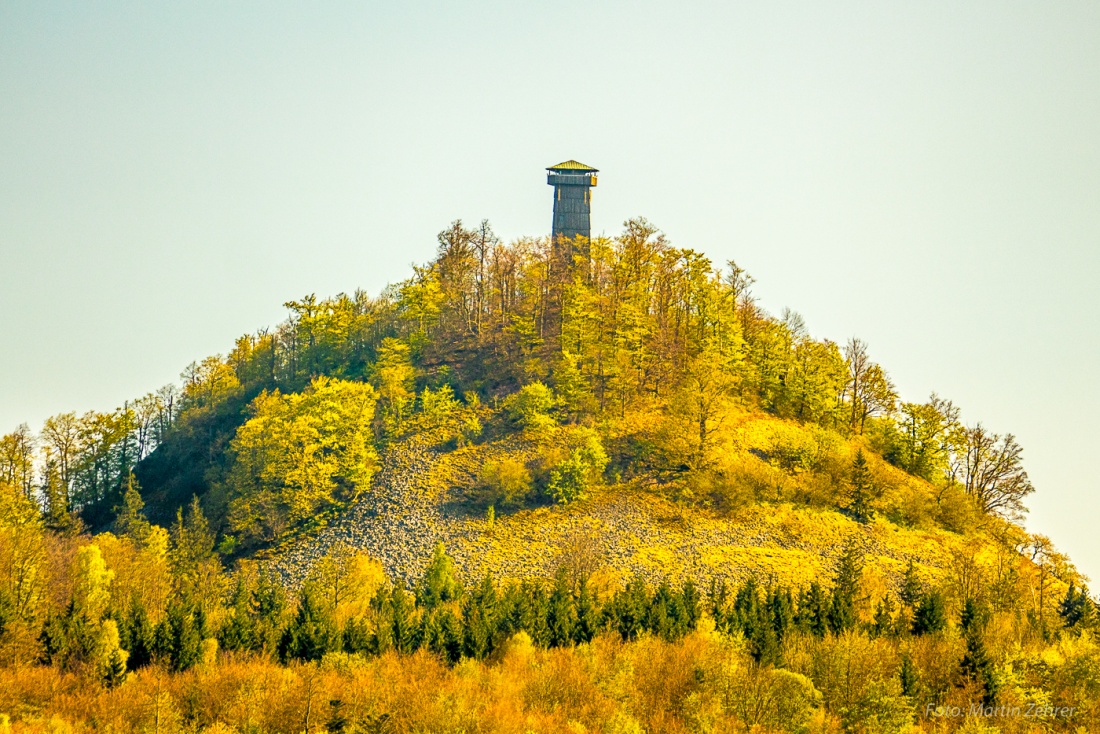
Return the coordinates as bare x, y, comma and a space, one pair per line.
440, 616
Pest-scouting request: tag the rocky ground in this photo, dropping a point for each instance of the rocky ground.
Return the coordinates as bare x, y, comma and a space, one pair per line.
409, 509
398, 521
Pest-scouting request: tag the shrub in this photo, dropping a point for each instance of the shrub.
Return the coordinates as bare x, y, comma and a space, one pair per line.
530, 407
910, 504
505, 481
729, 484
957, 511
571, 478
794, 449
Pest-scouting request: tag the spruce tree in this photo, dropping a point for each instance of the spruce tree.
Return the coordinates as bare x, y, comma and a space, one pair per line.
1077, 609
452, 636
269, 599
138, 635
976, 664
744, 615
508, 611
357, 636
403, 624
238, 630
931, 614
719, 600
432, 634
911, 588
628, 609
842, 605
561, 617
178, 639
908, 677
55, 638
690, 603
780, 610
813, 613
862, 489
130, 519
534, 610
973, 615
480, 613
114, 668
765, 631
112, 658
312, 632
193, 559
588, 613
659, 617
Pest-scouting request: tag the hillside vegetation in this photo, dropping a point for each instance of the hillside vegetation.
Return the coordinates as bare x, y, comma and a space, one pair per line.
573, 486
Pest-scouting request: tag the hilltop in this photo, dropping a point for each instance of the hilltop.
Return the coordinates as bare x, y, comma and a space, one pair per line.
625, 395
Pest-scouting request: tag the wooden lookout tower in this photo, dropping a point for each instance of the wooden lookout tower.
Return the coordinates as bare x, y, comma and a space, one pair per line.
572, 182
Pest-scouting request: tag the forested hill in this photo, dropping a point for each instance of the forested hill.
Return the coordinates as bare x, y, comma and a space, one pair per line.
649, 348
598, 465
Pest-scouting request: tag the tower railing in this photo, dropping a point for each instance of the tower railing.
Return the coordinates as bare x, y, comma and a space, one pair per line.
570, 179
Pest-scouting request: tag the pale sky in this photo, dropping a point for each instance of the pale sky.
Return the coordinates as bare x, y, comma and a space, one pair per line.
924, 175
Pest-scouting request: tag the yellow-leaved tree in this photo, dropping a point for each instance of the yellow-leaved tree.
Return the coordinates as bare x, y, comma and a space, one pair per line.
24, 573
299, 454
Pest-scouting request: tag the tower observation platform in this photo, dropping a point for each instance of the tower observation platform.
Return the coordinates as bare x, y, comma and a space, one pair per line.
572, 182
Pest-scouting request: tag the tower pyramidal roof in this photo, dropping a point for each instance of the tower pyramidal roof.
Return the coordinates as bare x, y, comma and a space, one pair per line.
572, 165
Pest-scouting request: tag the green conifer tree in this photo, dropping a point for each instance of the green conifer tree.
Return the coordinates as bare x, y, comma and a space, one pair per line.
588, 613
976, 664
859, 507
533, 610
780, 608
719, 603
562, 613
312, 632
178, 639
1077, 609
813, 611
911, 588
269, 601
112, 663
480, 612
908, 676
628, 608
842, 605
659, 614
453, 636
130, 518
238, 630
931, 614
357, 636
690, 603
138, 635
403, 622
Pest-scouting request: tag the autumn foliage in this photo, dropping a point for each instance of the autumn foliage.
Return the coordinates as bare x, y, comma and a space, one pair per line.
137, 591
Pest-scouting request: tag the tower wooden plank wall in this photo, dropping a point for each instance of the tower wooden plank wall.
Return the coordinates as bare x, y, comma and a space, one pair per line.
573, 183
